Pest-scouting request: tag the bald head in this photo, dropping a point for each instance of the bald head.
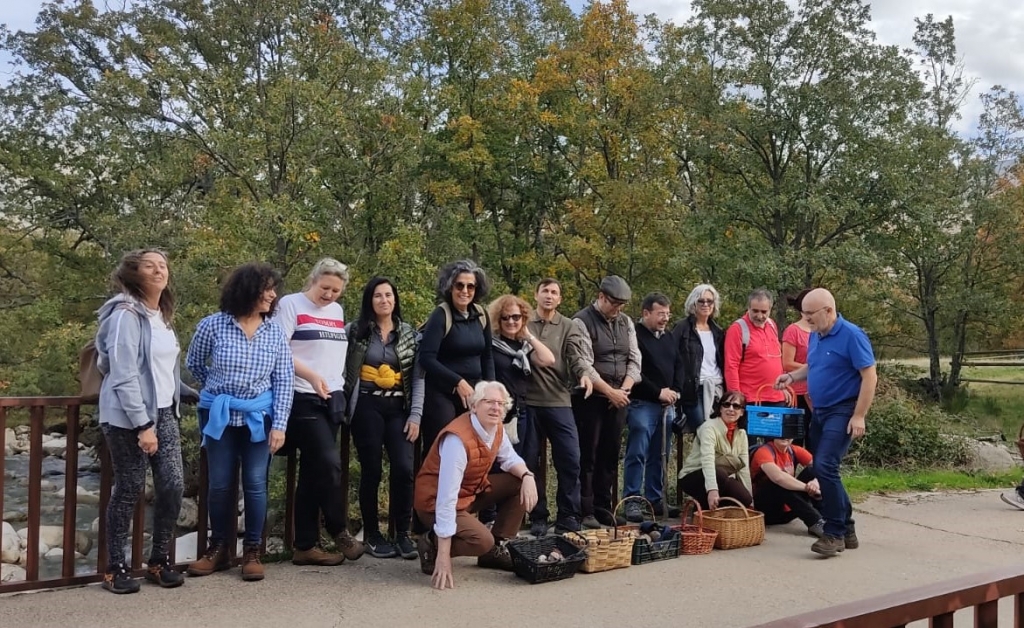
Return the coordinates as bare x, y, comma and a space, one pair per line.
819, 310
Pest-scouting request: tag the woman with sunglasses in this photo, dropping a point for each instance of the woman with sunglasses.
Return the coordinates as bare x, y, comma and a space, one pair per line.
719, 463
455, 350
516, 351
701, 358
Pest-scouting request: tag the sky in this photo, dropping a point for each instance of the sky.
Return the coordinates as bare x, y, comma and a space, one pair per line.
990, 34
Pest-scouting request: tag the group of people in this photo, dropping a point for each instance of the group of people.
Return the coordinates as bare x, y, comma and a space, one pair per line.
480, 385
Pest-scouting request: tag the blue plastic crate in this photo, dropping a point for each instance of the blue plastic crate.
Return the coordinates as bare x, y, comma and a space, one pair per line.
774, 422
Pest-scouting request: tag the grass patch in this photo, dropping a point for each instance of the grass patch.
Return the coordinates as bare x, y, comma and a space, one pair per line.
863, 482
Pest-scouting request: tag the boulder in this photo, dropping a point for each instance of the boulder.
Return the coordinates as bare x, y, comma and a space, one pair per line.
188, 518
9, 436
11, 573
83, 543
54, 554
85, 496
52, 536
10, 544
55, 447
15, 516
94, 527
22, 430
989, 457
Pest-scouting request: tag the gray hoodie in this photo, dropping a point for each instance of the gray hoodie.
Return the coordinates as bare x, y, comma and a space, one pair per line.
128, 392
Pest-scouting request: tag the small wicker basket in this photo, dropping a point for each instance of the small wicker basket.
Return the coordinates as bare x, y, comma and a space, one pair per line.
697, 539
607, 549
737, 526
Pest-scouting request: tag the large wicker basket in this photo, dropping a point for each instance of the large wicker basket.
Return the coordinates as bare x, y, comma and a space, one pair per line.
696, 538
606, 549
737, 526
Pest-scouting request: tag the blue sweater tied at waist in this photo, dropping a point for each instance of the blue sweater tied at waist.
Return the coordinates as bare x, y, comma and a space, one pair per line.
220, 407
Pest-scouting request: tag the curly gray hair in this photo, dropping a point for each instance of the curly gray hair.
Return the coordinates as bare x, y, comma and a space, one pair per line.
446, 279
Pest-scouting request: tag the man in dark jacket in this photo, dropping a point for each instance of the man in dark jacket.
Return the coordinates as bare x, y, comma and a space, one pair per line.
651, 408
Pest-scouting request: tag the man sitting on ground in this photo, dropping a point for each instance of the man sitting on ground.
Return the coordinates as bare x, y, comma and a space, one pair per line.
779, 492
454, 483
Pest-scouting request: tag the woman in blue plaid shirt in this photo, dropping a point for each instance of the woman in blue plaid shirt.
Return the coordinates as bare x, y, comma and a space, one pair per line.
242, 360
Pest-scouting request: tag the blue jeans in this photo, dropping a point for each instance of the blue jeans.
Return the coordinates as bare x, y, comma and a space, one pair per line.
830, 442
222, 458
694, 414
642, 462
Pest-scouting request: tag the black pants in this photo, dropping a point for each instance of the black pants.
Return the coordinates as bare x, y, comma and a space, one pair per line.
439, 409
379, 424
728, 486
600, 426
559, 427
771, 499
318, 489
803, 404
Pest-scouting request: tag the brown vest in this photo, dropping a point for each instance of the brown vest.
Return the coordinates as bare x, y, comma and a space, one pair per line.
479, 460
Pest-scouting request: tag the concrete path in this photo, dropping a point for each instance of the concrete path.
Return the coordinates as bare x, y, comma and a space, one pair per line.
906, 541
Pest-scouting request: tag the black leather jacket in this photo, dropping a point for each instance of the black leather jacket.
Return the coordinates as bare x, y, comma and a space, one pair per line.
691, 354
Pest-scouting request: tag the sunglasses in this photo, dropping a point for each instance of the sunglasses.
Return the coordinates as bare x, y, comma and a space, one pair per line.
469, 287
706, 301
515, 318
731, 404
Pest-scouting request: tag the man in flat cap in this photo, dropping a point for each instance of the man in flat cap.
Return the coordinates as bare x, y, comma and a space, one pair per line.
615, 359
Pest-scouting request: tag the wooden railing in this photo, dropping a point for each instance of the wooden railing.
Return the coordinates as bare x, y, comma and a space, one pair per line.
933, 602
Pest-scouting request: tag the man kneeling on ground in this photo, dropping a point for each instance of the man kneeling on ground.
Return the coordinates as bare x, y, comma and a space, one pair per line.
454, 483
779, 492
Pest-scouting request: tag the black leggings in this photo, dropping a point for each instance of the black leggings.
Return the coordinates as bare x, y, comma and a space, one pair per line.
130, 462
439, 409
728, 486
772, 499
318, 488
378, 424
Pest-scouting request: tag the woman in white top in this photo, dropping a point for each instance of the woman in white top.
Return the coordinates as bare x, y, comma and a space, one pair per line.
701, 358
314, 323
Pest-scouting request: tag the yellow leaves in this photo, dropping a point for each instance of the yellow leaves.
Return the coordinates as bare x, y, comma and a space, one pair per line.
443, 191
313, 237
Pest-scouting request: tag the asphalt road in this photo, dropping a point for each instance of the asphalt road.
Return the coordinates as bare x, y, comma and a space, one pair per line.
906, 541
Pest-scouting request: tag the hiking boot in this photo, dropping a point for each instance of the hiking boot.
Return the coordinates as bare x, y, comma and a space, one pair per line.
119, 580
380, 547
316, 556
818, 529
215, 559
828, 546
661, 511
160, 572
428, 553
538, 528
349, 546
1014, 499
406, 548
850, 540
633, 512
496, 558
252, 568
608, 519
568, 524
591, 523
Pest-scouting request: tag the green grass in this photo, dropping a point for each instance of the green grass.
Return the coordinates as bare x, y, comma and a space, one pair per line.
995, 407
863, 482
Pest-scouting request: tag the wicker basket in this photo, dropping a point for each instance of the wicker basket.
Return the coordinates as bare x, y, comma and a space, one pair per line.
737, 526
696, 539
606, 548
525, 554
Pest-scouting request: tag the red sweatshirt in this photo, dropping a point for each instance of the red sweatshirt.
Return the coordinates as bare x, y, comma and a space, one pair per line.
760, 365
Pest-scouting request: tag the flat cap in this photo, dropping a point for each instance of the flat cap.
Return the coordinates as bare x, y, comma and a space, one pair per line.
616, 288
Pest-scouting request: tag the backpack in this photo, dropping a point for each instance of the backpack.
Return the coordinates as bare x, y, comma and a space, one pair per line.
448, 317
775, 457
745, 334
89, 375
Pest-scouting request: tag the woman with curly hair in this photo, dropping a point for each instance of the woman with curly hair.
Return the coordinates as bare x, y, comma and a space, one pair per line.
138, 353
455, 350
242, 360
386, 407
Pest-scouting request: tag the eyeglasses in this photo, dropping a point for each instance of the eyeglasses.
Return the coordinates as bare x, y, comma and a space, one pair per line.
615, 302
493, 402
468, 287
810, 314
515, 318
730, 404
705, 301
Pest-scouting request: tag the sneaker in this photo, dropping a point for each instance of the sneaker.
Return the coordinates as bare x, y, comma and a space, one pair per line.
828, 546
818, 529
215, 559
380, 547
568, 524
608, 519
406, 548
591, 523
633, 512
159, 572
538, 528
496, 558
1014, 499
316, 556
252, 568
119, 580
850, 539
428, 553
349, 546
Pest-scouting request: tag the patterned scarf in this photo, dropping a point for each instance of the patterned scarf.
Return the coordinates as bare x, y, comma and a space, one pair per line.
520, 359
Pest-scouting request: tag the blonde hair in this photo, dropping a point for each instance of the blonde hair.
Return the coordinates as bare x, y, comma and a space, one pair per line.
326, 266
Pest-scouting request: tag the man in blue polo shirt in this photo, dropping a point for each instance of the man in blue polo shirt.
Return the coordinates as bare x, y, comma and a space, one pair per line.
841, 379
